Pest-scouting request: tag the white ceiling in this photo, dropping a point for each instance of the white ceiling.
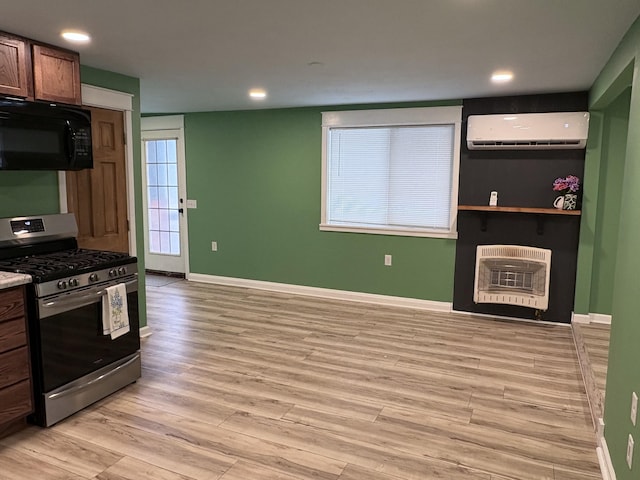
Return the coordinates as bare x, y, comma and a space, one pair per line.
200, 55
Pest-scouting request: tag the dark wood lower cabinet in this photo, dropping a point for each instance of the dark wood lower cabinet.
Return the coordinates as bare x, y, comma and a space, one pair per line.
16, 394
16, 401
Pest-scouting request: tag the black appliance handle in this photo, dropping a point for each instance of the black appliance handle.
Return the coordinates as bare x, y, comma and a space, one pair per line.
70, 143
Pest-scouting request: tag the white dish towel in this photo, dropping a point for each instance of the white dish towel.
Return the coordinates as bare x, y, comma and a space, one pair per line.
115, 316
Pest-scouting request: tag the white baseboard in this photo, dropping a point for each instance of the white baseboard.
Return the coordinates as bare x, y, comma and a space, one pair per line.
600, 318
591, 318
580, 318
604, 459
324, 292
145, 331
514, 319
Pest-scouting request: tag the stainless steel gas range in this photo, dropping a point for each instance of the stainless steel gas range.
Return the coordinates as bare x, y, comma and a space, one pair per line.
73, 362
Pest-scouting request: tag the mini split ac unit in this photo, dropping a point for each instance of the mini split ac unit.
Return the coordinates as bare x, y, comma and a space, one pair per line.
528, 131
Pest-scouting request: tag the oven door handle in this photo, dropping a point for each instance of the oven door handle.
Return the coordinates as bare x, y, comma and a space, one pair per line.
69, 302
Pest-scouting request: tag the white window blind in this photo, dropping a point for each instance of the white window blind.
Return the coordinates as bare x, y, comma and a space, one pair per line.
391, 179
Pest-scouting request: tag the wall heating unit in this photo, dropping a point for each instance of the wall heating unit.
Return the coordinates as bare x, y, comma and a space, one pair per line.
512, 274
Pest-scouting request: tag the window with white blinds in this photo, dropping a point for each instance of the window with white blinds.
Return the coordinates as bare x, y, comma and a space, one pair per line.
391, 171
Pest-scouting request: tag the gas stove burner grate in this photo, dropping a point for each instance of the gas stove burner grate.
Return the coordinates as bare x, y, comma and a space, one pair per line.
49, 266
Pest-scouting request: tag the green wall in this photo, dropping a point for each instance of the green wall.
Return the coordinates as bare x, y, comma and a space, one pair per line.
124, 83
257, 178
624, 352
28, 193
604, 172
614, 145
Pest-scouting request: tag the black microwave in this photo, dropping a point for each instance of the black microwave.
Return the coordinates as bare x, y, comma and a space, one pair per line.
44, 136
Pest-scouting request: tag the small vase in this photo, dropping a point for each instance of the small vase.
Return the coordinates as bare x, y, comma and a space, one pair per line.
570, 201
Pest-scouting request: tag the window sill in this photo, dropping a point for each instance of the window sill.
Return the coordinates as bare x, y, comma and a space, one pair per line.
408, 232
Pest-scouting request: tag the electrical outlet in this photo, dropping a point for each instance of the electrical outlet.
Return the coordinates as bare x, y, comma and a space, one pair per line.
634, 408
192, 204
214, 246
387, 260
630, 451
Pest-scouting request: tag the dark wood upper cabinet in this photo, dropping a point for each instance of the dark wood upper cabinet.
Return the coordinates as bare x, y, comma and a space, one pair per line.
56, 75
36, 71
14, 68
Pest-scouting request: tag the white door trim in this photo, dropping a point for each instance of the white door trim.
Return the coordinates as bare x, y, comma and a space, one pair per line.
173, 124
113, 100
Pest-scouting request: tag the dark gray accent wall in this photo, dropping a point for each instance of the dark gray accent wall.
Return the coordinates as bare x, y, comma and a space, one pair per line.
522, 179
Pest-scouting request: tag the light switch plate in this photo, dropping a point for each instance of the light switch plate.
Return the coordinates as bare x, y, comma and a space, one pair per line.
634, 407
387, 260
192, 204
630, 451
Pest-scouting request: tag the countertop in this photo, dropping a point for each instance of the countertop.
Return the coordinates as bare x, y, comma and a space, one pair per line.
9, 279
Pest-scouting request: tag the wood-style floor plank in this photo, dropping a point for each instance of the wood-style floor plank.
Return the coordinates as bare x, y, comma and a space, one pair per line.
15, 464
243, 384
596, 339
130, 468
67, 453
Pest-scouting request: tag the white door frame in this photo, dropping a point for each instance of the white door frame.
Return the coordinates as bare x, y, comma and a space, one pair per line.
113, 100
174, 126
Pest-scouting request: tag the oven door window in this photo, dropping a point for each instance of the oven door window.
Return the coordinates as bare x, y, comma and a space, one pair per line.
72, 343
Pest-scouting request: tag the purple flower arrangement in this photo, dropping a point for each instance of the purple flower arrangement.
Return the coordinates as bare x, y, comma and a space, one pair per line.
569, 184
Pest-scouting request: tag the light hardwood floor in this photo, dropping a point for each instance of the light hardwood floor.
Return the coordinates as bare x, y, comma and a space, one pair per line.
592, 343
596, 338
243, 384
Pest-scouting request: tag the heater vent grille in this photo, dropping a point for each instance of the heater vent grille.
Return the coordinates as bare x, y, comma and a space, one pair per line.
512, 274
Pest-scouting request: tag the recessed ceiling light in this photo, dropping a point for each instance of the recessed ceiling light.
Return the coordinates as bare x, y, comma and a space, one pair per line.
257, 93
501, 76
76, 36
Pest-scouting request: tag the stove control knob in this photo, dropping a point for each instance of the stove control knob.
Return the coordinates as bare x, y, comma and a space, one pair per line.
62, 285
122, 271
93, 277
113, 272
73, 282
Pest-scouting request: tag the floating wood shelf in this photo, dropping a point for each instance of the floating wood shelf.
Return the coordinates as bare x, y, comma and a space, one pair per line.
540, 211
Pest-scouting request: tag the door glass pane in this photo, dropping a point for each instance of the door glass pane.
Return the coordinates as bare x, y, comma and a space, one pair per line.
173, 197
152, 174
174, 218
172, 152
164, 220
161, 151
154, 241
165, 244
154, 220
162, 197
162, 174
172, 173
175, 243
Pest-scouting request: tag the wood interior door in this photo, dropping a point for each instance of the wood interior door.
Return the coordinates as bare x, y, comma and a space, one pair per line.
98, 196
